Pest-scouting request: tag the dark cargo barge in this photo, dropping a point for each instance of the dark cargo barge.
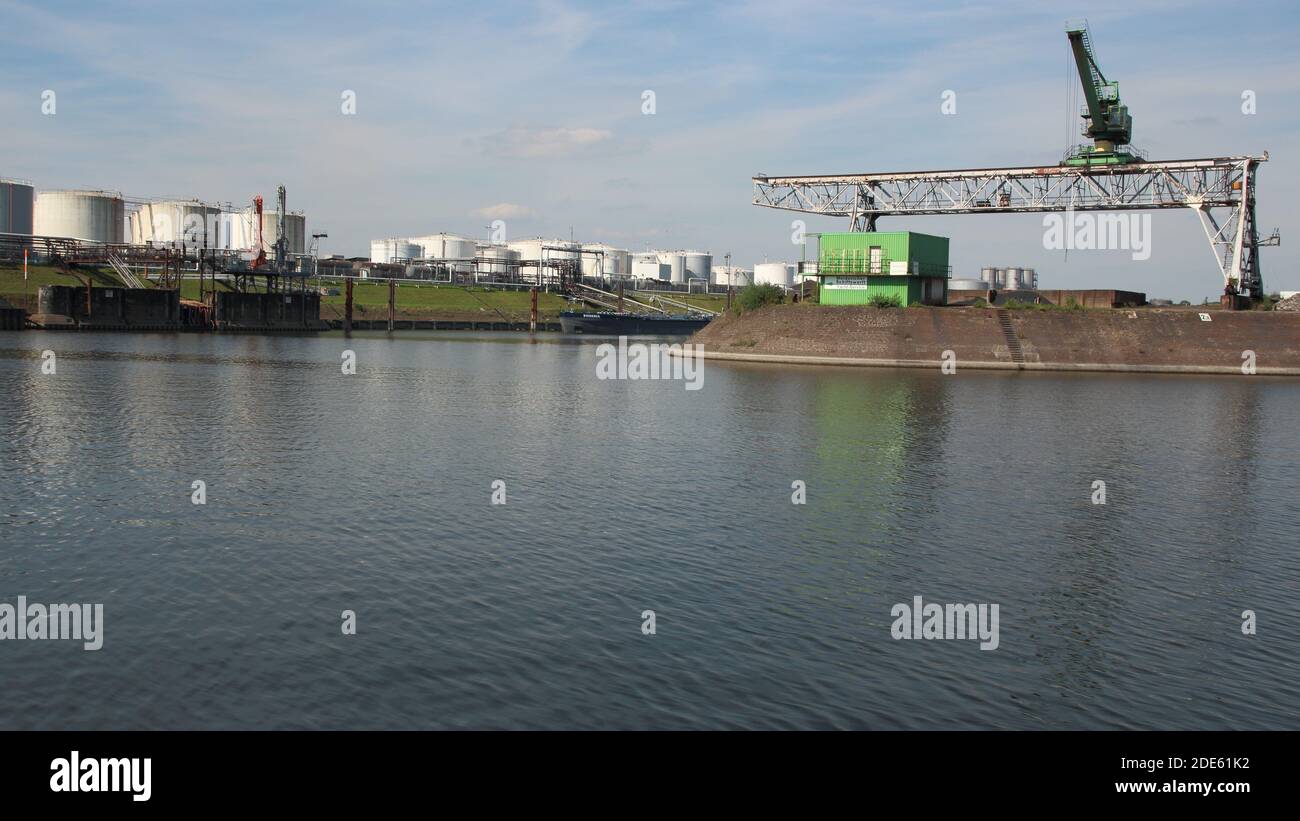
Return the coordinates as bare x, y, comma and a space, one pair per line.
627, 324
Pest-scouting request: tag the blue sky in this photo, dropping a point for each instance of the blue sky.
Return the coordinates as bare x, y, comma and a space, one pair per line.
531, 111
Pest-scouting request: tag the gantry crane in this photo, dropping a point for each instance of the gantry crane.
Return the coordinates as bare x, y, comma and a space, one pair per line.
1107, 176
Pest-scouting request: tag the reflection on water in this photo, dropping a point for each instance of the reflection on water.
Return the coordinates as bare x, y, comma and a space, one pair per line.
372, 493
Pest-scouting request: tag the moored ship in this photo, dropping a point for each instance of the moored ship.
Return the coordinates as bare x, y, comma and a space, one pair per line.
616, 323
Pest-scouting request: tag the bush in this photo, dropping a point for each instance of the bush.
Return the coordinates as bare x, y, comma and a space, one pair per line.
885, 301
753, 297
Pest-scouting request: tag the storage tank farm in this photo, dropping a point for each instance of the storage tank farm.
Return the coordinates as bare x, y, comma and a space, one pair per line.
17, 206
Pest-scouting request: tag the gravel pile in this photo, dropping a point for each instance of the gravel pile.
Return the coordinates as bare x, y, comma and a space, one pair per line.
1291, 303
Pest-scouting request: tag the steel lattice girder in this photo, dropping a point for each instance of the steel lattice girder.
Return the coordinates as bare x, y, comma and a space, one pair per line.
1206, 183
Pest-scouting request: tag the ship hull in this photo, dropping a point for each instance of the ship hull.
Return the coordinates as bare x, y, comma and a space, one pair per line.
611, 324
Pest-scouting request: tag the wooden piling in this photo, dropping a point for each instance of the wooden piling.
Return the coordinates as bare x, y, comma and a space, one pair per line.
532, 317
392, 303
347, 307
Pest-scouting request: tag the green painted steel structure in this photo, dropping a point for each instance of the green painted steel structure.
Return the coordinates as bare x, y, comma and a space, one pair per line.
856, 267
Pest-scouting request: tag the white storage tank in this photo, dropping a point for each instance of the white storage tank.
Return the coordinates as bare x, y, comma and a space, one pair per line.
17, 206
773, 273
699, 265
990, 276
968, 285
732, 275
239, 231
496, 260
457, 251
1028, 279
173, 222
676, 262
652, 268
542, 259
385, 251
97, 216
295, 228
1011, 279
599, 259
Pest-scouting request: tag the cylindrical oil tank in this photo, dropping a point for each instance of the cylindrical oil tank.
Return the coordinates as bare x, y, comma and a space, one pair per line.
699, 265
990, 276
496, 260
1028, 279
173, 222
17, 206
651, 268
97, 216
543, 259
968, 285
295, 228
599, 259
773, 273
390, 250
732, 275
1011, 279
457, 252
676, 262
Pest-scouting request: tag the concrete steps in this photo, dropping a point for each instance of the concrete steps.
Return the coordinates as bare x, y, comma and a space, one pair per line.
1009, 334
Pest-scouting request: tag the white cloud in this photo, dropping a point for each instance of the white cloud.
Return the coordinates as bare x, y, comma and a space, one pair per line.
503, 210
529, 142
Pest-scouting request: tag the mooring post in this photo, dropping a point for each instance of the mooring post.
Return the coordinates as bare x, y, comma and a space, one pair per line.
347, 307
392, 303
532, 316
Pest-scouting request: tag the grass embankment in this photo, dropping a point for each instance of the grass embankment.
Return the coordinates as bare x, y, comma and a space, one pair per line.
23, 294
370, 300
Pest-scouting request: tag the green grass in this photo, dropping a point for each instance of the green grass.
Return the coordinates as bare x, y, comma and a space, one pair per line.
369, 299
23, 294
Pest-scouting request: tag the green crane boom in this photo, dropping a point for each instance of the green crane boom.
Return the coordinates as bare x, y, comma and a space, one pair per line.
1107, 121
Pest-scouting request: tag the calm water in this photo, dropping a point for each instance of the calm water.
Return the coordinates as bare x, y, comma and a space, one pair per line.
372, 493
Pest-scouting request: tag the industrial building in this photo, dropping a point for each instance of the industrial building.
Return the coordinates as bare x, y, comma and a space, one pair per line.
854, 268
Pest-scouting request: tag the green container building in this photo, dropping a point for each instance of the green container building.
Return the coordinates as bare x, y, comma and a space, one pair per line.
853, 268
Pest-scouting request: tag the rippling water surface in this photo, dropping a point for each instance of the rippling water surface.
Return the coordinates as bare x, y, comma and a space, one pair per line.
371, 493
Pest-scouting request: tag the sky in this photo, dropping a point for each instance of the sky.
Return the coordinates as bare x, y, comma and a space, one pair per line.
533, 113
